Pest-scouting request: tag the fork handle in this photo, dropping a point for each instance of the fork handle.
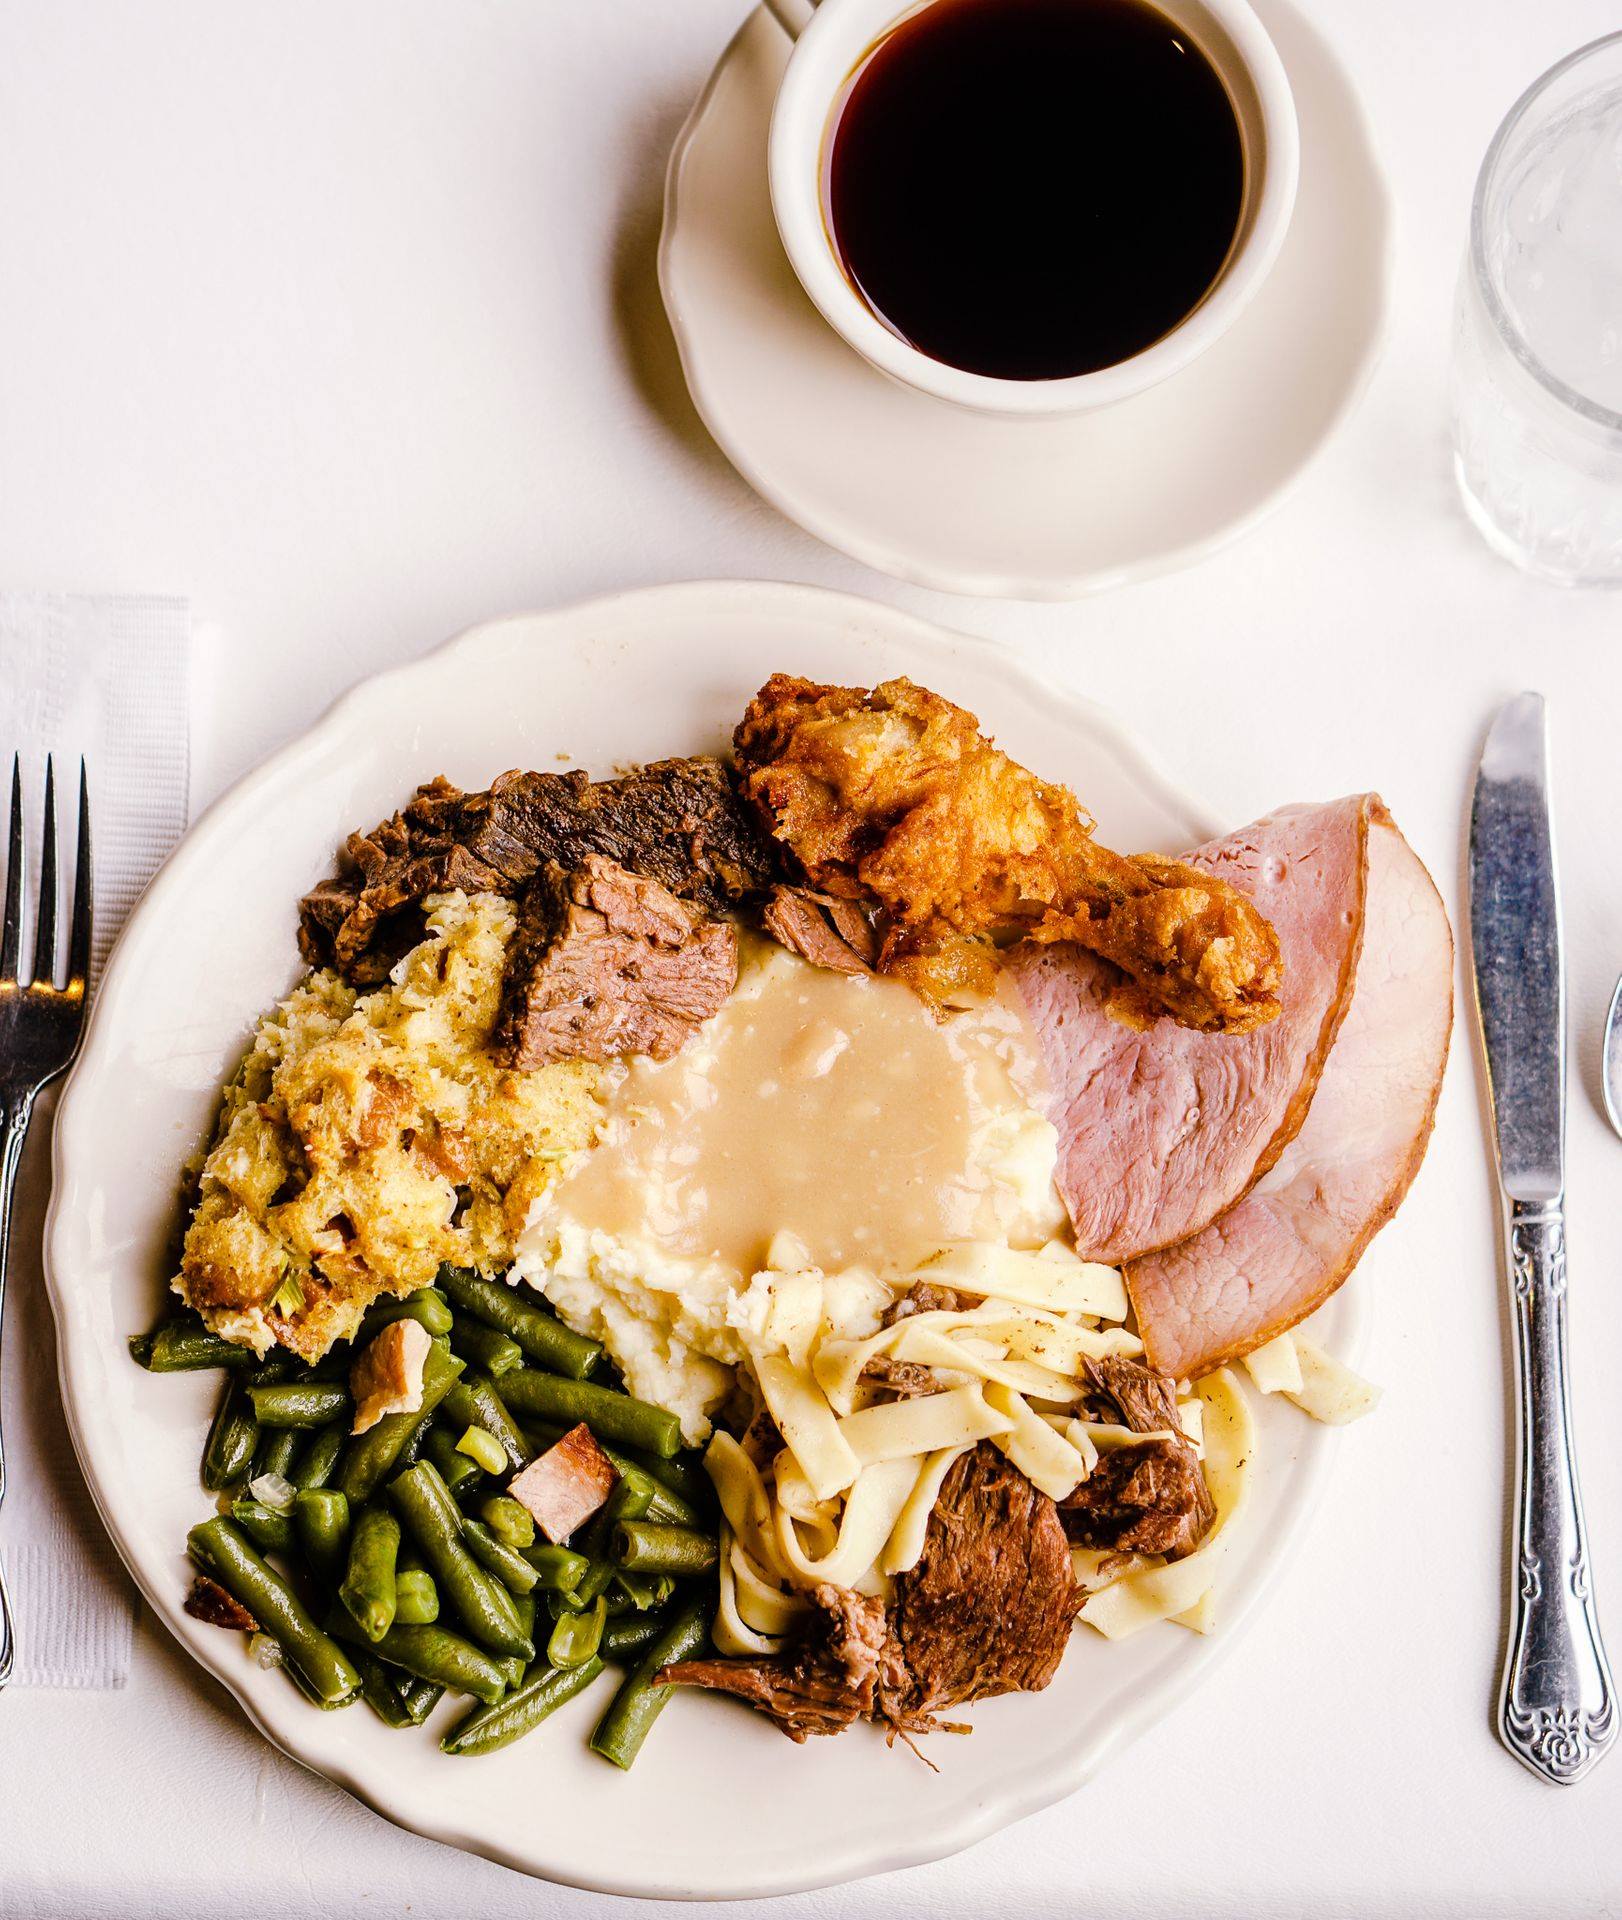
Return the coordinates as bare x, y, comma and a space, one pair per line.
14, 1117
1557, 1713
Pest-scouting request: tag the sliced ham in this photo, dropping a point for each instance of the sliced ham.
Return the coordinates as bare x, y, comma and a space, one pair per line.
563, 1487
1294, 1238
1161, 1130
386, 1376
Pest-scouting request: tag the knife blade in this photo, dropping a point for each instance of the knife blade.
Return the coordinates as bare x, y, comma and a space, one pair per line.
1515, 939
1557, 1710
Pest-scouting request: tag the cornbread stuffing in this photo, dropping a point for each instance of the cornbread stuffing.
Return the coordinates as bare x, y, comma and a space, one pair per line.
370, 1136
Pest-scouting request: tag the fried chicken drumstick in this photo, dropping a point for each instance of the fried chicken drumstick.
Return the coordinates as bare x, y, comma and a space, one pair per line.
896, 799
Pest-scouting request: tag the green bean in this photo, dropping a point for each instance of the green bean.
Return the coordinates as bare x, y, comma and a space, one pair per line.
610, 1415
228, 1451
435, 1486
682, 1474
371, 1456
685, 1476
325, 1670
416, 1598
479, 1601
516, 1669
664, 1503
483, 1449
482, 1346
274, 1453
379, 1689
513, 1668
276, 1366
427, 1306
184, 1346
270, 1531
430, 1653
628, 1501
474, 1402
520, 1315
624, 1501
317, 1460
419, 1697
495, 1556
512, 1524
321, 1524
642, 1592
577, 1636
299, 1403
646, 1546
544, 1690
639, 1702
557, 1569
630, 1633
455, 1469
368, 1583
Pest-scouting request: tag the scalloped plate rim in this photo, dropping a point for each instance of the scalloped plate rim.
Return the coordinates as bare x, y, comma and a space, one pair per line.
817, 1866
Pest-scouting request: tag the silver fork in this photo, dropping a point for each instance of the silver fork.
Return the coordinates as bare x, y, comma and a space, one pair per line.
40, 1026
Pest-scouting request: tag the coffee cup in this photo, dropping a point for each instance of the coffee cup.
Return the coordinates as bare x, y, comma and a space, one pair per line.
834, 42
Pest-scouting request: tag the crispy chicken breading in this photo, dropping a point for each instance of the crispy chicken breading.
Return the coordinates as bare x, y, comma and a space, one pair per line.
895, 798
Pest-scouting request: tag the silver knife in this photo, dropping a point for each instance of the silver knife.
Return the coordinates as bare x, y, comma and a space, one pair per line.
1557, 1710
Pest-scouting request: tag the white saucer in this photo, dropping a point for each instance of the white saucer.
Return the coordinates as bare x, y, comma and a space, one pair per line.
1022, 509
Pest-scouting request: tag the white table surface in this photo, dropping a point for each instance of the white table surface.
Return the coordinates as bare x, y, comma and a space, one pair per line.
342, 320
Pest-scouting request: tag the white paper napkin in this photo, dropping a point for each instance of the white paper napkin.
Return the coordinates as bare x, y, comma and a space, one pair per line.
105, 678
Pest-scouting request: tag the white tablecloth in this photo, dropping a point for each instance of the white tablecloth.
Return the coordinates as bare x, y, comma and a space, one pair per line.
342, 322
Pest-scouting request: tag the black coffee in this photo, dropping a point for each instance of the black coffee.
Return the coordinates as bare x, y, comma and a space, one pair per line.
1035, 188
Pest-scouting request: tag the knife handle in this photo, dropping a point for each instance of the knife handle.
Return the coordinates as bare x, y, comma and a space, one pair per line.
1557, 1712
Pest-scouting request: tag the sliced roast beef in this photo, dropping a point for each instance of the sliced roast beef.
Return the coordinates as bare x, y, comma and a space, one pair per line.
363, 918
1162, 1129
209, 1602
1145, 1401
988, 1607
1294, 1238
1149, 1497
679, 822
827, 931
924, 1296
605, 963
987, 1610
905, 1379
828, 1681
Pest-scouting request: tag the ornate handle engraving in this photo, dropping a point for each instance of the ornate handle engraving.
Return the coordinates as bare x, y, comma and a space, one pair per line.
1557, 1714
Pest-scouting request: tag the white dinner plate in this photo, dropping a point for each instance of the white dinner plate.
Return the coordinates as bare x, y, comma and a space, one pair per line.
719, 1804
1023, 509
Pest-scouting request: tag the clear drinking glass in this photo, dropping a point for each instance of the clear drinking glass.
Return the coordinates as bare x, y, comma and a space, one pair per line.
1537, 362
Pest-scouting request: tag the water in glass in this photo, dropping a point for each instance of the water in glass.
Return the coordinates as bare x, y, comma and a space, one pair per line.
1537, 372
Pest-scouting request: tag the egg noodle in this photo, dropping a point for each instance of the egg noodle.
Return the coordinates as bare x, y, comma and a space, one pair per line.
838, 1483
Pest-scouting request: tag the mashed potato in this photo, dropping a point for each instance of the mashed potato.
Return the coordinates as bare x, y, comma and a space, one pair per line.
368, 1137
828, 1108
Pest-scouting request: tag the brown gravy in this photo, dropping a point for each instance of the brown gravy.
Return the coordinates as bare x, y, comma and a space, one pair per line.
831, 1106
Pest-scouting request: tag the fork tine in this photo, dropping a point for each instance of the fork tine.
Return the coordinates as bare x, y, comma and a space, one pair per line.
45, 937
84, 905
11, 925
